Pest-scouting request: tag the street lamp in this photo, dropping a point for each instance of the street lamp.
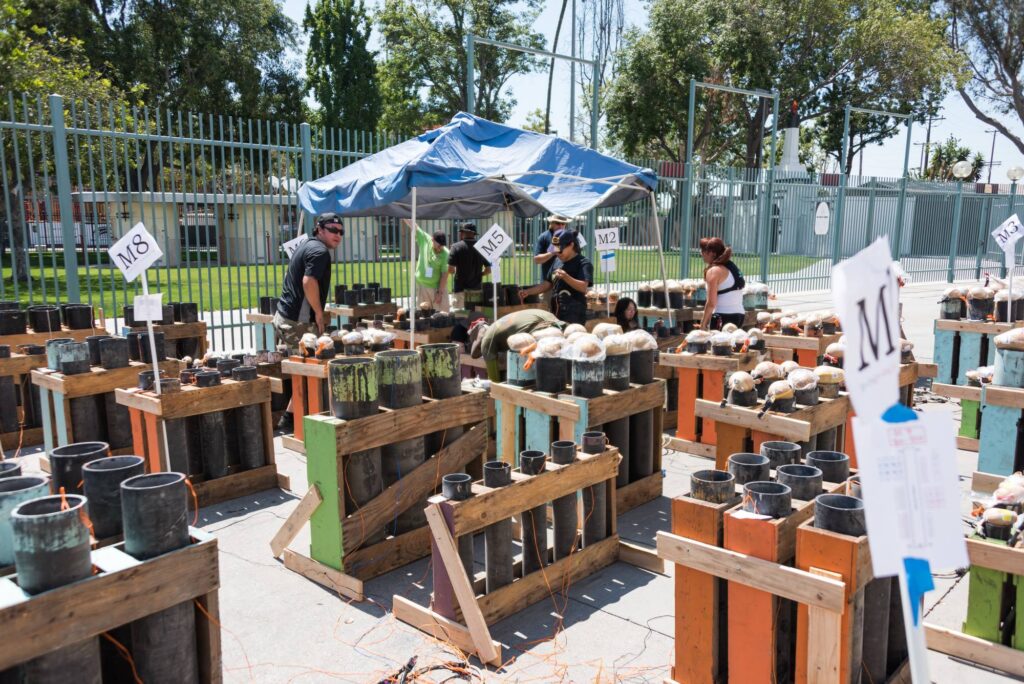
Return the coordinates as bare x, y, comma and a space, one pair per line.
1014, 173
961, 170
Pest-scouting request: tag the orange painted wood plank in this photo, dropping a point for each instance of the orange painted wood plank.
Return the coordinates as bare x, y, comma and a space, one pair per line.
298, 403
732, 439
848, 443
713, 391
752, 613
686, 423
807, 357
314, 395
758, 437
139, 435
153, 460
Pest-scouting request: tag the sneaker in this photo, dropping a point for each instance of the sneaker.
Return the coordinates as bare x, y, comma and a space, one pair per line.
287, 423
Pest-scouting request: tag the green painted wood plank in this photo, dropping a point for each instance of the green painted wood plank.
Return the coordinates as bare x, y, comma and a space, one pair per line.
322, 470
970, 355
970, 418
985, 602
943, 355
1018, 629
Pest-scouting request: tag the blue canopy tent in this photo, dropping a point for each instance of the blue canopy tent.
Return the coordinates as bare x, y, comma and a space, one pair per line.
472, 167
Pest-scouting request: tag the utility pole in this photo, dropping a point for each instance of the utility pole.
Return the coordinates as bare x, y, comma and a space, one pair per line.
992, 154
572, 80
928, 139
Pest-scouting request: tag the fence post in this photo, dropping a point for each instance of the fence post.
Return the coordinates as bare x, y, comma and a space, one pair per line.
67, 218
307, 166
984, 223
901, 204
684, 234
769, 232
955, 238
841, 198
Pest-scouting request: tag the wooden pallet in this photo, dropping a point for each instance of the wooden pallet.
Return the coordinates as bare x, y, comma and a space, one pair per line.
701, 376
19, 366
683, 317
148, 412
352, 314
964, 345
740, 429
122, 590
56, 391
263, 332
175, 332
528, 419
309, 387
42, 337
423, 335
460, 611
338, 556
968, 438
997, 436
806, 350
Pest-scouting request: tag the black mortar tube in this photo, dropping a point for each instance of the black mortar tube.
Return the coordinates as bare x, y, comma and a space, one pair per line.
66, 464
459, 487
535, 520
617, 432
400, 378
118, 422
213, 428
442, 379
713, 486
498, 537
31, 404
249, 421
93, 342
641, 445
10, 469
780, 453
8, 397
102, 483
52, 549
804, 480
155, 509
595, 497
113, 352
768, 498
566, 517
747, 467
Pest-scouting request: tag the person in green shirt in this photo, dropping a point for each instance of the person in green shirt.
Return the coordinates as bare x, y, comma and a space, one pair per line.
431, 268
489, 341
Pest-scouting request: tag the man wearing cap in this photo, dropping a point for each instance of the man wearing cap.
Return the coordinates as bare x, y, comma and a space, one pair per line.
544, 253
431, 268
306, 284
490, 341
467, 265
570, 276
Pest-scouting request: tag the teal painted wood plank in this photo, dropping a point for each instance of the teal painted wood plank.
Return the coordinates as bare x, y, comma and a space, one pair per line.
943, 355
998, 442
44, 400
991, 353
538, 431
60, 419
970, 355
583, 424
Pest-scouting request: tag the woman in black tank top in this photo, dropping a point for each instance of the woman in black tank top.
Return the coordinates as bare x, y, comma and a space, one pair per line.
718, 258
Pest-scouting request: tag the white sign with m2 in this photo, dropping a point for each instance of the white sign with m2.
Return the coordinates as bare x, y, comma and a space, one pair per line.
606, 239
135, 252
1007, 235
866, 297
493, 244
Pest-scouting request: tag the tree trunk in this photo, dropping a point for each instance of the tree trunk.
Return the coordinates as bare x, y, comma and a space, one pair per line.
19, 250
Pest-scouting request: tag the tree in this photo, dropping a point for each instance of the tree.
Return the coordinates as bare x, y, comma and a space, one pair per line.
948, 153
822, 53
340, 68
424, 52
536, 121
990, 36
223, 56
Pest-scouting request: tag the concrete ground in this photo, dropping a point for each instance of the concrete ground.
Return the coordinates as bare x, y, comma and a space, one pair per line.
614, 625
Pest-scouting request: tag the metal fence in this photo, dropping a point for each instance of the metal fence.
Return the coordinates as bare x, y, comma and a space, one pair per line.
219, 194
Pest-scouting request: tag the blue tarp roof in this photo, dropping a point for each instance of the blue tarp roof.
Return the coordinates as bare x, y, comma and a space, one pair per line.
473, 168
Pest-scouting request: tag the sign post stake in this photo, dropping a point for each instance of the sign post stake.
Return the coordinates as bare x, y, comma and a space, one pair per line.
1006, 236
491, 246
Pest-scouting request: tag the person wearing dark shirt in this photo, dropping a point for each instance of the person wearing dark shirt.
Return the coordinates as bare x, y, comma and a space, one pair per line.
544, 253
467, 265
490, 341
571, 275
306, 284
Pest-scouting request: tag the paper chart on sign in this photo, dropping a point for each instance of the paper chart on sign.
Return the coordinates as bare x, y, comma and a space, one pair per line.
910, 489
149, 307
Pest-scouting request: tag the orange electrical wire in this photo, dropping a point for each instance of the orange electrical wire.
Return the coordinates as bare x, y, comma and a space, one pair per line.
124, 653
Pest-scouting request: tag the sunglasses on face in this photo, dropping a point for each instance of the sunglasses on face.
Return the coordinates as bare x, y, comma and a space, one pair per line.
335, 231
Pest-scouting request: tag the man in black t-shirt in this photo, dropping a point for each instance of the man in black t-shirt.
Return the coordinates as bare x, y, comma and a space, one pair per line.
307, 283
571, 275
544, 253
468, 266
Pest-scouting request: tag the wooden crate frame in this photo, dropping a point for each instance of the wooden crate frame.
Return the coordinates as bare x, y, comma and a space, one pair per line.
422, 336
264, 334
738, 424
20, 366
356, 313
572, 416
806, 350
148, 412
701, 376
963, 345
123, 590
309, 377
1001, 408
460, 597
338, 559
56, 390
178, 331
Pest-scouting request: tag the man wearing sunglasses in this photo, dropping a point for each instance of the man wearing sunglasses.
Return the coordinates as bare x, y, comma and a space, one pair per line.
307, 282
570, 276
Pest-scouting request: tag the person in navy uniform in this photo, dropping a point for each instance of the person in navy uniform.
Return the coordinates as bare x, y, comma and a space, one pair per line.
570, 276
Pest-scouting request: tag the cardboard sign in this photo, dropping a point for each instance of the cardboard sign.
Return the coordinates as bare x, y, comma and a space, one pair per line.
607, 262
136, 251
1006, 236
293, 244
866, 297
910, 488
149, 307
606, 239
493, 244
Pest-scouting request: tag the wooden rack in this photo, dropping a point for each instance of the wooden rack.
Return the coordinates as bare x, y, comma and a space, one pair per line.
148, 412
42, 337
964, 345
122, 590
528, 419
458, 597
264, 334
19, 366
968, 438
806, 350
424, 335
997, 435
56, 391
309, 389
338, 556
352, 314
174, 332
701, 376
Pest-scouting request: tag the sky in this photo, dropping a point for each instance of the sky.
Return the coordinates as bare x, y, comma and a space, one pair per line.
885, 159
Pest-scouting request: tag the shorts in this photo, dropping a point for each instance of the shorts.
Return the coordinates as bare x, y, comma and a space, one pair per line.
457, 300
718, 321
427, 294
290, 332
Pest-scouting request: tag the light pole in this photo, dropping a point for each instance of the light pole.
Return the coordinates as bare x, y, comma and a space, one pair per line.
1014, 173
992, 155
962, 169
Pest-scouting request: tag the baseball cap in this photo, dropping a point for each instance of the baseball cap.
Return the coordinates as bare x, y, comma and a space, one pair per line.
328, 219
564, 237
440, 237
468, 228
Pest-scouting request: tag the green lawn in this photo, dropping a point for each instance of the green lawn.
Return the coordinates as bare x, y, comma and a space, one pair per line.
240, 287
